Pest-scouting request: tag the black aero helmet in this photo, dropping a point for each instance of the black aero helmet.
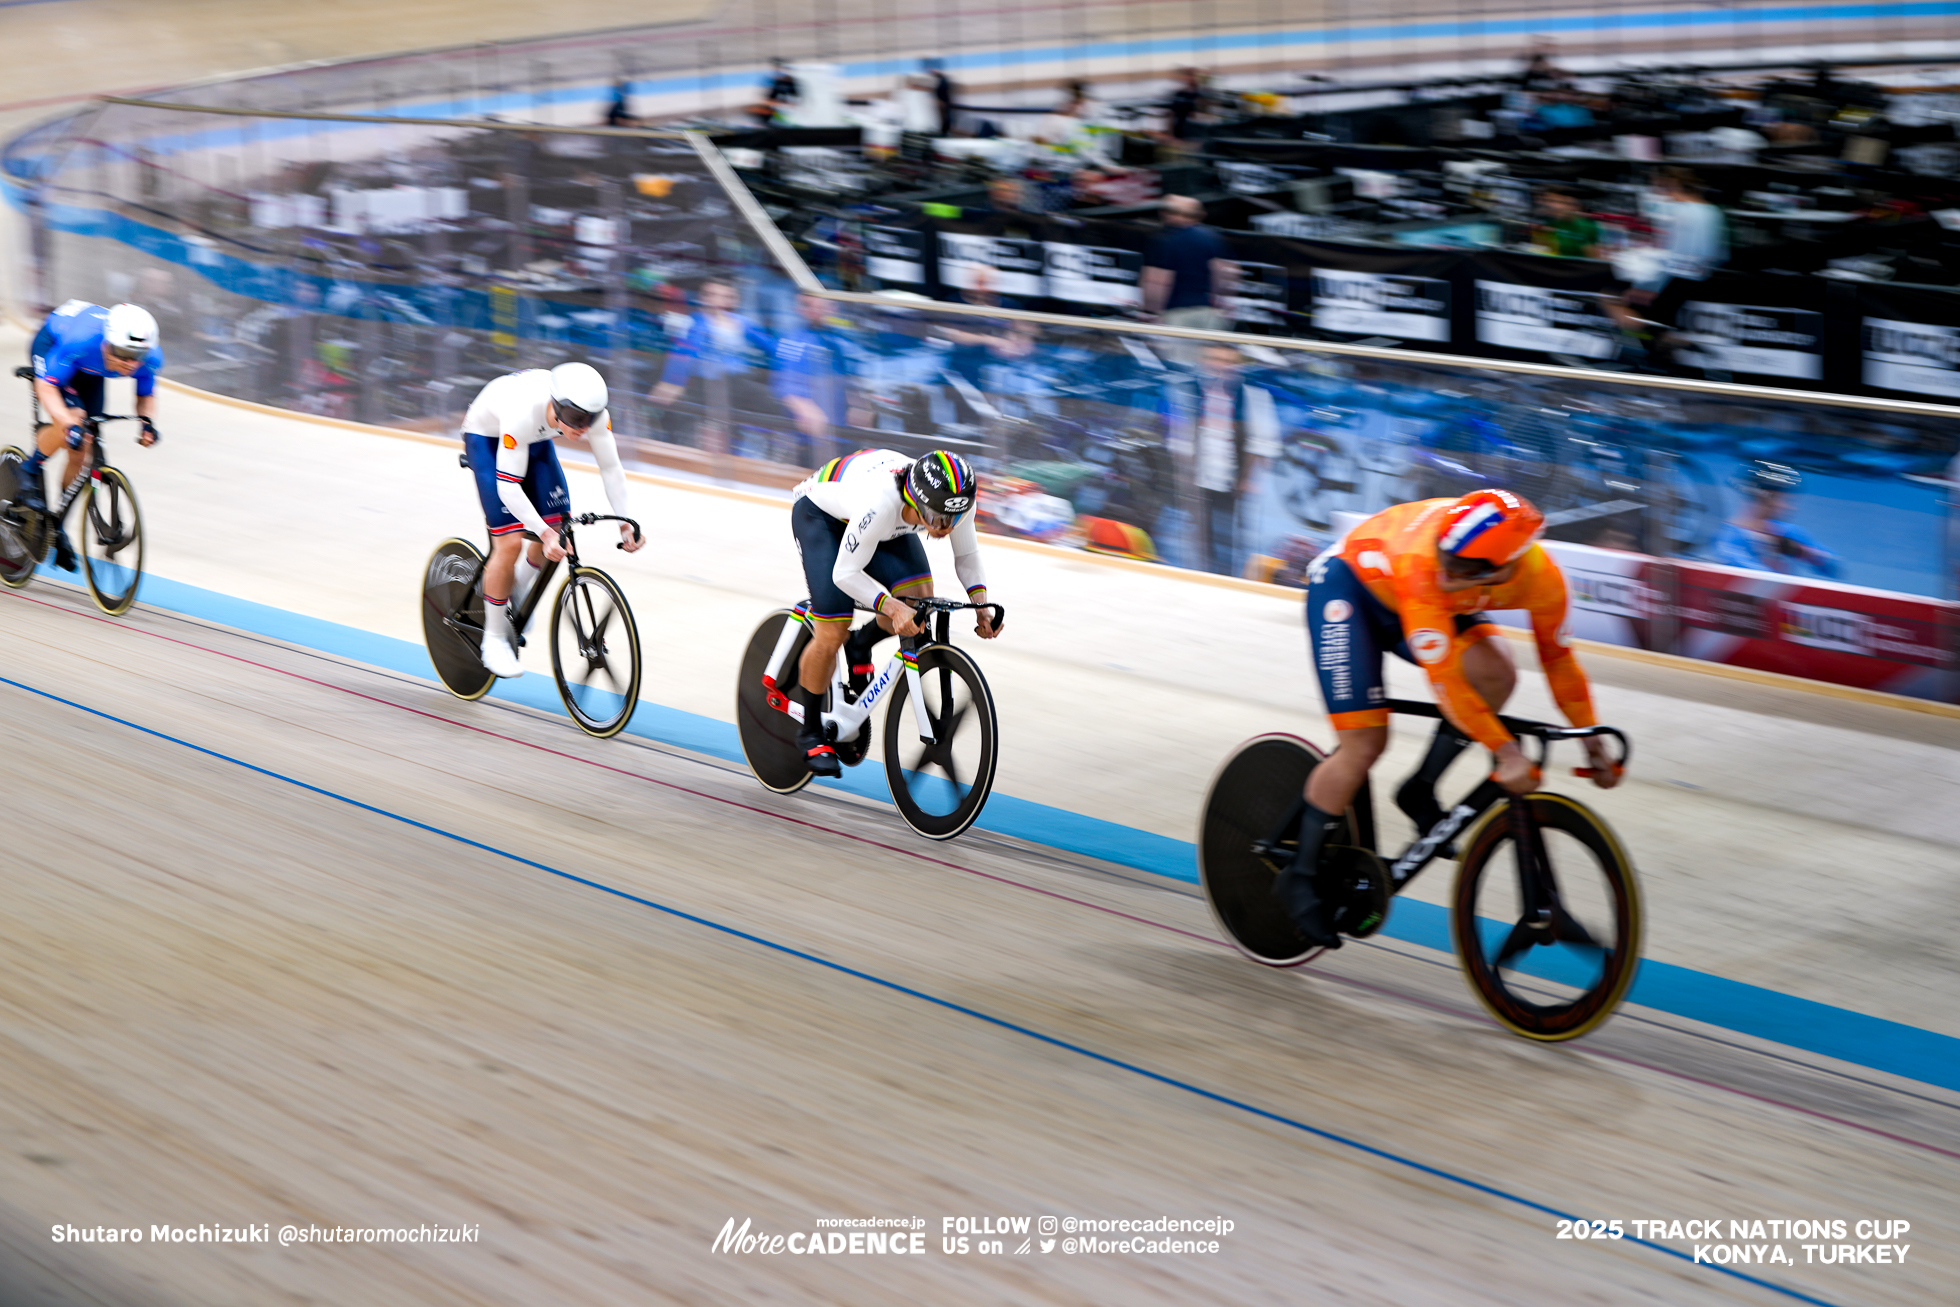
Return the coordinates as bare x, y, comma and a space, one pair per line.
940, 486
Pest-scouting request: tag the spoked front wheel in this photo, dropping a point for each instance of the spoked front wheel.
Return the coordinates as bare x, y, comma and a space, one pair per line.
1249, 831
21, 530
940, 787
112, 541
595, 652
1551, 958
452, 618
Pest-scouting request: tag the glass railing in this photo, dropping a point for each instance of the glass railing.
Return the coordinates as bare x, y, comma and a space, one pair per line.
382, 270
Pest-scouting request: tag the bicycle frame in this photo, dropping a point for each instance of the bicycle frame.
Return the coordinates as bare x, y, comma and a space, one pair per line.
521, 620
1539, 894
851, 716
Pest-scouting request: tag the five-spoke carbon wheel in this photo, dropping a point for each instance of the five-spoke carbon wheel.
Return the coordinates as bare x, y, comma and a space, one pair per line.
112, 541
1551, 959
595, 652
940, 787
452, 618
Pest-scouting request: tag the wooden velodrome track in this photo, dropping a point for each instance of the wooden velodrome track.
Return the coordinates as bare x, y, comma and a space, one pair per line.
293, 939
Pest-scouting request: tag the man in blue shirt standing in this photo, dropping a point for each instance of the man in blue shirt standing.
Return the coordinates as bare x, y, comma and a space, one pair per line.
1187, 270
76, 350
809, 377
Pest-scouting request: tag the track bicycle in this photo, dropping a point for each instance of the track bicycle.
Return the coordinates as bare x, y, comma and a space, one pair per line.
112, 524
595, 646
939, 756
1546, 915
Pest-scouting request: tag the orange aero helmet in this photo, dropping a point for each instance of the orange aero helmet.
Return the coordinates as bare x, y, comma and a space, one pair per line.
1491, 528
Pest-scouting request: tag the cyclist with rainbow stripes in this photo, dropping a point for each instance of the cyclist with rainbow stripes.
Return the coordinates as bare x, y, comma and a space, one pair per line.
857, 521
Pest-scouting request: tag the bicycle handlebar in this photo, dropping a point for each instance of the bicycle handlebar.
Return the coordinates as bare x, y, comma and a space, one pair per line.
1524, 727
922, 605
587, 519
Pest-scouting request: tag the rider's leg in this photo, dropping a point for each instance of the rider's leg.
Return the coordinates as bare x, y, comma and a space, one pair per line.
499, 632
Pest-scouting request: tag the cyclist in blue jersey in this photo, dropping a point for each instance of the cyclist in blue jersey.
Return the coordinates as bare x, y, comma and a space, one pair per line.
77, 349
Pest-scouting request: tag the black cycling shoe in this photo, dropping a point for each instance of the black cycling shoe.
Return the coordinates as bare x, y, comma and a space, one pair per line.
64, 553
821, 757
1297, 895
27, 492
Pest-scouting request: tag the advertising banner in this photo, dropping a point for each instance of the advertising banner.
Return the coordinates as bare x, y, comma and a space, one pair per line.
1755, 340
1540, 320
1381, 304
1009, 264
1909, 341
1094, 274
895, 254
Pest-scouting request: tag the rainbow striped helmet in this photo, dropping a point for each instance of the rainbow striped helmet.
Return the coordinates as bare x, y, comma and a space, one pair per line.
940, 487
1487, 529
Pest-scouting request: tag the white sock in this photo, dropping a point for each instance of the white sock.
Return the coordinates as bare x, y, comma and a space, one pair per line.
527, 576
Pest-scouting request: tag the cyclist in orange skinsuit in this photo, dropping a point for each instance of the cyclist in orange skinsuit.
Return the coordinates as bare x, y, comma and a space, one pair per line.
1415, 580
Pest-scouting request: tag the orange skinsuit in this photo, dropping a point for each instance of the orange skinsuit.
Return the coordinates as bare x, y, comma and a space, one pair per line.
1393, 553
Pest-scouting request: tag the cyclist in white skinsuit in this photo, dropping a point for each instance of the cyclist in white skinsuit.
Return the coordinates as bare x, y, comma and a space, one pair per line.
857, 521
508, 433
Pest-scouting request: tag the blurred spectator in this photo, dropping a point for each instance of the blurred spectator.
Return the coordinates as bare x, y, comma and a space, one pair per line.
778, 94
1540, 74
1187, 269
810, 366
1566, 232
620, 112
1186, 103
1233, 432
782, 89
1069, 128
1694, 243
716, 367
1762, 536
943, 94
978, 343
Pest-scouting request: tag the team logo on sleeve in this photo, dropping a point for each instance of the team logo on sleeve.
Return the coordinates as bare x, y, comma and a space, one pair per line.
1429, 645
510, 441
1337, 610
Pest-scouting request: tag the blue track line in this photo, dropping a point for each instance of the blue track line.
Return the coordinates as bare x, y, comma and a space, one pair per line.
894, 986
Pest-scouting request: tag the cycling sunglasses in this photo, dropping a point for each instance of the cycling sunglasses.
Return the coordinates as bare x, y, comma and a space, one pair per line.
135, 354
1470, 569
571, 415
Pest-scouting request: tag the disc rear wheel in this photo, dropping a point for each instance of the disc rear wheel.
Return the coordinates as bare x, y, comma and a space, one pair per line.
452, 618
112, 541
768, 733
1249, 831
22, 531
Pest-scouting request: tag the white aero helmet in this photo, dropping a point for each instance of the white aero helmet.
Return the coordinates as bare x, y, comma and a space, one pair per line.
130, 331
579, 392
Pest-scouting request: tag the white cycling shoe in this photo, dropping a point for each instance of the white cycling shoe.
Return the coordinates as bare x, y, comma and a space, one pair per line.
500, 655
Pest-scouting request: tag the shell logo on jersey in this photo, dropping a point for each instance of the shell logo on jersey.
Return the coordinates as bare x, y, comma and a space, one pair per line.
510, 441
1429, 645
1337, 610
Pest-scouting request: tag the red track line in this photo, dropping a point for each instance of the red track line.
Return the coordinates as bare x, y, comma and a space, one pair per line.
651, 780
1350, 981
